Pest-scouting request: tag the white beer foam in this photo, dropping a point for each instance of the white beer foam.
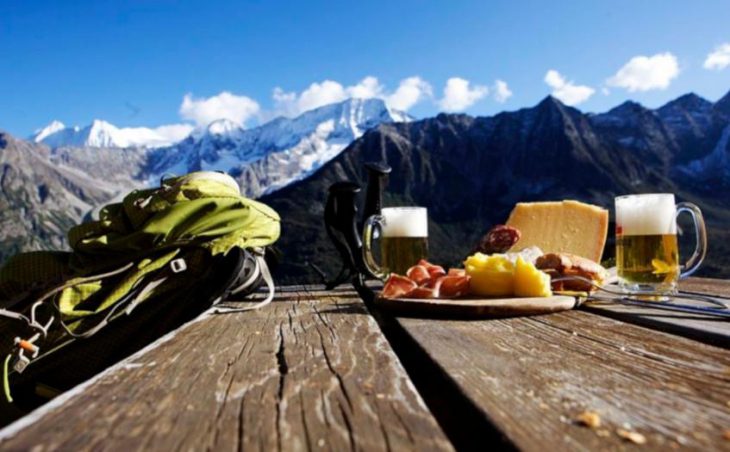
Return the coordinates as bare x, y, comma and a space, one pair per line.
405, 222
651, 214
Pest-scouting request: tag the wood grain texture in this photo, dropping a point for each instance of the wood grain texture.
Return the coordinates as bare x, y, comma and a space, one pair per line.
704, 328
477, 307
530, 377
720, 287
312, 371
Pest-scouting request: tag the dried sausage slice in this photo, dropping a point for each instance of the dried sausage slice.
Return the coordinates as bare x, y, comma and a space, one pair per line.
499, 239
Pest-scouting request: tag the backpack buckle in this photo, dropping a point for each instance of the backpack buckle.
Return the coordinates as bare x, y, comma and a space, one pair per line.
21, 363
178, 265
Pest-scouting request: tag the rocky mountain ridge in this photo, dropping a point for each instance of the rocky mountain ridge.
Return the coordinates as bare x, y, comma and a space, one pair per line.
470, 172
263, 158
273, 155
101, 134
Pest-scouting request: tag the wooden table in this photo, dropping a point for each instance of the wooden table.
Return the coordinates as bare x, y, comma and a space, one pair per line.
318, 371
525, 381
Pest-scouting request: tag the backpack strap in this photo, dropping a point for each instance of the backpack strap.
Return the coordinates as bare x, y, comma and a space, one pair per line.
41, 330
261, 270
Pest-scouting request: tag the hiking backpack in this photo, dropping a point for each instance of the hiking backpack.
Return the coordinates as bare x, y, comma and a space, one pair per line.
149, 264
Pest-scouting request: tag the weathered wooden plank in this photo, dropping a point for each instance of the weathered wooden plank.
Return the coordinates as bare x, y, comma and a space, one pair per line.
709, 286
528, 378
310, 371
708, 329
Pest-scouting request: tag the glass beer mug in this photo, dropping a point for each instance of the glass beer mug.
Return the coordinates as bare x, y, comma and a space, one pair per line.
403, 239
647, 253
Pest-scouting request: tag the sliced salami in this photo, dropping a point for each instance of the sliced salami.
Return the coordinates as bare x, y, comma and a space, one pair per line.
499, 239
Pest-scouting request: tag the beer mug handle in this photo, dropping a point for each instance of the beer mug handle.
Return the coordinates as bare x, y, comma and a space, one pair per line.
700, 234
371, 224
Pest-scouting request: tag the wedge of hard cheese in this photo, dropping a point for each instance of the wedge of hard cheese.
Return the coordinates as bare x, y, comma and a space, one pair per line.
561, 227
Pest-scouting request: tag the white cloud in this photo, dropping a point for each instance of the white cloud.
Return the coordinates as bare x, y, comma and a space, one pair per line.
319, 94
718, 59
566, 91
154, 137
501, 91
409, 92
225, 105
174, 132
285, 103
460, 95
644, 73
367, 88
316, 95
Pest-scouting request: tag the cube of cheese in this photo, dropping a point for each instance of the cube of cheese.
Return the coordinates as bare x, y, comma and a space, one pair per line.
561, 227
529, 281
491, 276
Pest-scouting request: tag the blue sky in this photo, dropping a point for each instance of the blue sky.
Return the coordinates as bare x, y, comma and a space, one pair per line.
132, 63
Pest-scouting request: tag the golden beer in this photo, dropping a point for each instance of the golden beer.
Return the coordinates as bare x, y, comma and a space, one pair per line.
403, 240
398, 254
647, 255
648, 259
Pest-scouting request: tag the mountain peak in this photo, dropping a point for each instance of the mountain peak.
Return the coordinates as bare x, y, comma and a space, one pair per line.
103, 134
349, 104
553, 107
358, 101
53, 127
223, 127
630, 105
688, 102
361, 110
628, 109
101, 124
278, 152
692, 97
627, 116
370, 103
550, 101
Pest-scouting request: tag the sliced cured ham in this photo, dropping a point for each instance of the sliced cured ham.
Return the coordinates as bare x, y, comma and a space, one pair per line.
434, 270
422, 293
453, 286
426, 280
419, 274
397, 286
456, 272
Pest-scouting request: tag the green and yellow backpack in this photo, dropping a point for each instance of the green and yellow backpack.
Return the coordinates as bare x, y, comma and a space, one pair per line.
148, 264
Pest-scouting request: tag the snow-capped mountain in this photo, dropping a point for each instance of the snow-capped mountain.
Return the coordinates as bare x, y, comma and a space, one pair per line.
51, 129
468, 171
273, 155
101, 134
46, 191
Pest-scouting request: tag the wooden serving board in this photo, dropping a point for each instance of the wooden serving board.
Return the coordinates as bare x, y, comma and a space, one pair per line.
478, 307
